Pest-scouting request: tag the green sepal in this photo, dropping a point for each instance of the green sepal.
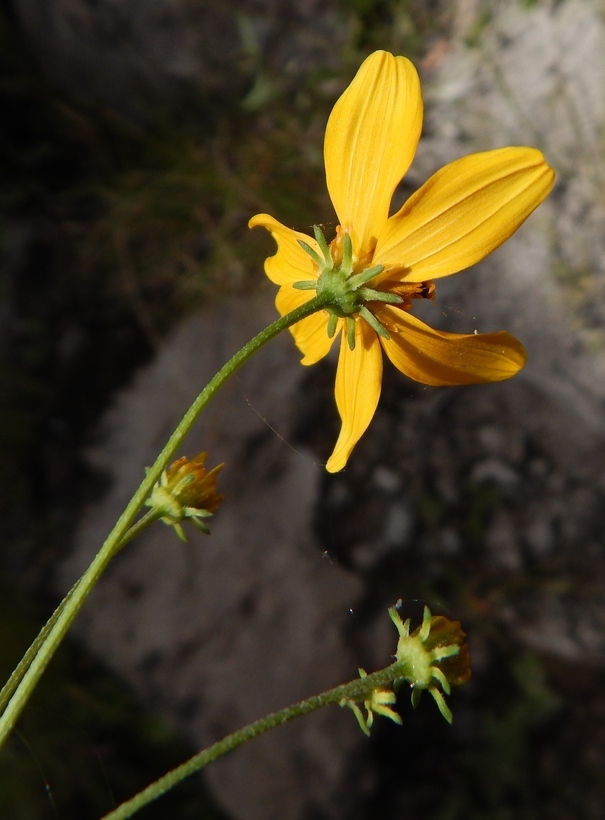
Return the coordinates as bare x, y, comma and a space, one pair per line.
360, 279
346, 265
371, 295
441, 704
321, 241
363, 724
312, 253
350, 332
179, 531
332, 325
199, 525
416, 695
373, 322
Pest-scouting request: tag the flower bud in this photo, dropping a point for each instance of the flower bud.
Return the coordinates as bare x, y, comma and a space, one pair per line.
378, 701
434, 657
186, 490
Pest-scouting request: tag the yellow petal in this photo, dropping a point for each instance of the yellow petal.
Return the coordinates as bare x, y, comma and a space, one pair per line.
291, 263
464, 211
371, 139
310, 334
434, 357
357, 390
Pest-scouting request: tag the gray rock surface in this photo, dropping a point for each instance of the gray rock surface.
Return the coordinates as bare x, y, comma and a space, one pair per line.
536, 76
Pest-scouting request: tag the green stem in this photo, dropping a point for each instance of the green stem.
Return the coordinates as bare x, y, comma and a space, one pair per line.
19, 672
37, 660
356, 690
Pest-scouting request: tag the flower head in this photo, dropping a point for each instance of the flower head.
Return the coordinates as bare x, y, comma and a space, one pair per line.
377, 264
435, 656
186, 490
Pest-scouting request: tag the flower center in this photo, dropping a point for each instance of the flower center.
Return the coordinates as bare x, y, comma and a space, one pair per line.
345, 291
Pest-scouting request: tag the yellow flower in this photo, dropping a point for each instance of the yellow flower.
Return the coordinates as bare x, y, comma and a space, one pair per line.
464, 211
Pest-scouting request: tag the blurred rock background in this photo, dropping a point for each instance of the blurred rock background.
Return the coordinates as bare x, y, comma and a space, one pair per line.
138, 139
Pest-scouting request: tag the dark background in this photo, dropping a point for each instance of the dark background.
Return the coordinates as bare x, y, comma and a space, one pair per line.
126, 184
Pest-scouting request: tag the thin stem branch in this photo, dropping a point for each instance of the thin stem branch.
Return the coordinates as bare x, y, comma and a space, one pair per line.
356, 690
17, 675
39, 654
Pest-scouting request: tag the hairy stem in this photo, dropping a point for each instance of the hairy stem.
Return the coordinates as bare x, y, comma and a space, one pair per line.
23, 682
355, 690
